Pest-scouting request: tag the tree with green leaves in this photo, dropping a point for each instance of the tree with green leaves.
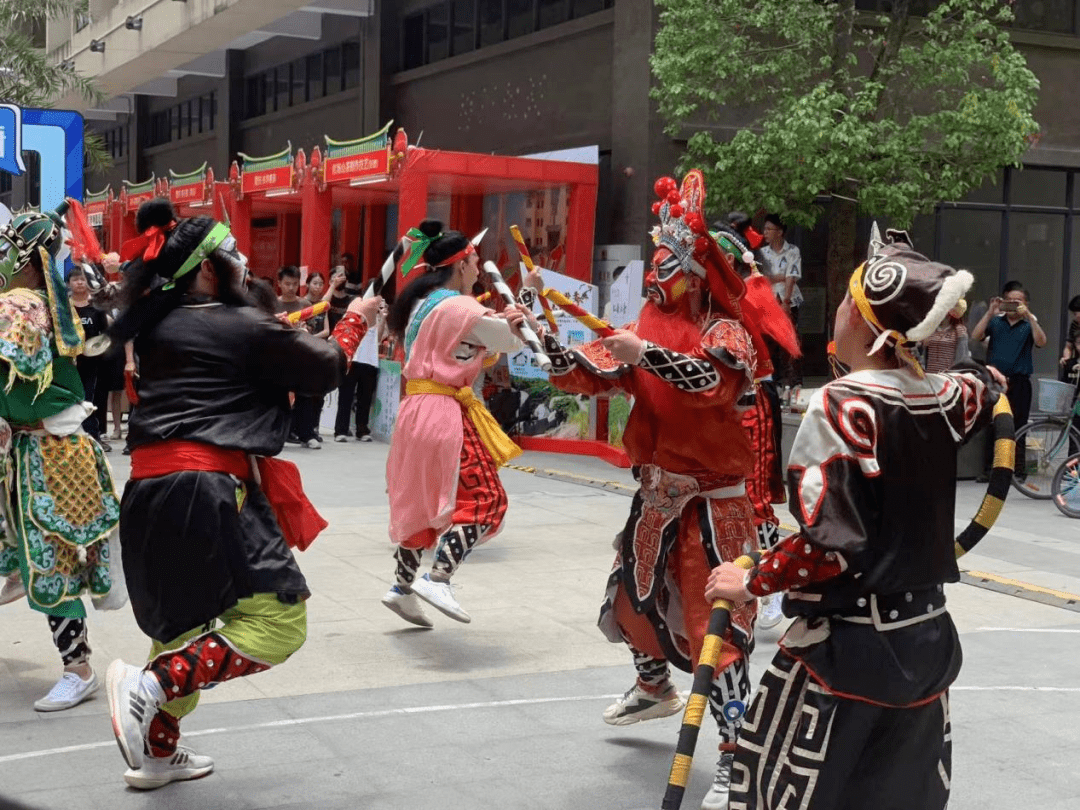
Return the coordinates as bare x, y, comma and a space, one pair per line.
27, 76
883, 113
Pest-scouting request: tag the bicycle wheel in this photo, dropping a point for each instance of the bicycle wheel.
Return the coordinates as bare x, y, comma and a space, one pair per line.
1046, 445
1066, 487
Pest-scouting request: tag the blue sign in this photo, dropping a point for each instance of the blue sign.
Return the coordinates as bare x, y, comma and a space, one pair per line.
11, 139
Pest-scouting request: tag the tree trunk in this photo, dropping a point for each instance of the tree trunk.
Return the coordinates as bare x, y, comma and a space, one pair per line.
840, 260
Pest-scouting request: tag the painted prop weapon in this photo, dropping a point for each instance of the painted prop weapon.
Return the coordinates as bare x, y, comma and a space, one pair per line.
704, 673
388, 268
531, 340
307, 313
601, 327
523, 251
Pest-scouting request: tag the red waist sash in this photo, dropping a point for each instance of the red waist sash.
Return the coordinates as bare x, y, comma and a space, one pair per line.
279, 480
179, 455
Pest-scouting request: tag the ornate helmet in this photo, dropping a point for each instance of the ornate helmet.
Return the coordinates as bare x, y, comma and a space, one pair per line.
25, 234
902, 295
683, 231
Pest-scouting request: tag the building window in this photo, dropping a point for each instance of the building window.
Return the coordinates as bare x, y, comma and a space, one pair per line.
350, 60
1052, 16
453, 27
192, 117
304, 79
316, 88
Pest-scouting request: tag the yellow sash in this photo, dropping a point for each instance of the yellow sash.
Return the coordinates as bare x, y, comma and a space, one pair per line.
498, 444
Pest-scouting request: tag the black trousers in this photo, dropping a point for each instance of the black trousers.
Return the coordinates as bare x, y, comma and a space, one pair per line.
304, 418
1019, 396
359, 390
88, 369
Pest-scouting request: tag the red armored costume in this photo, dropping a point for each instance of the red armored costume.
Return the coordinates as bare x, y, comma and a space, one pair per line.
690, 364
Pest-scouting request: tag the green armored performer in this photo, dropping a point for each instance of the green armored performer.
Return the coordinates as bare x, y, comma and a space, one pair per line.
60, 507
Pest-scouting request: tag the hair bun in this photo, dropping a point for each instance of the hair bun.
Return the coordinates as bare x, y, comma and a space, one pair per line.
431, 227
158, 211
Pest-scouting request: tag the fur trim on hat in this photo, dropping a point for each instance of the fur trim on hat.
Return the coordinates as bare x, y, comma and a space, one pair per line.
952, 290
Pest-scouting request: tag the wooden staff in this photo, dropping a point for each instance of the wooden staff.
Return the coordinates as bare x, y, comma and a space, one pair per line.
307, 313
601, 327
531, 340
526, 257
704, 674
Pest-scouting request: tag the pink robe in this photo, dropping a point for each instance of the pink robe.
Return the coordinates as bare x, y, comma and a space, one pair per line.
422, 469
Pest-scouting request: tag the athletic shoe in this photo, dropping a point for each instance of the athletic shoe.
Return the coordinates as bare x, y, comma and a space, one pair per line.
116, 436
366, 437
440, 595
134, 698
69, 691
105, 446
313, 444
157, 772
407, 606
13, 589
318, 438
340, 437
292, 438
717, 797
637, 705
769, 611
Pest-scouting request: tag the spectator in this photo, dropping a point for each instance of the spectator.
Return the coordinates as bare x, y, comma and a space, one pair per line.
949, 344
304, 429
1013, 331
354, 281
782, 265
318, 326
94, 324
359, 386
338, 298
1069, 352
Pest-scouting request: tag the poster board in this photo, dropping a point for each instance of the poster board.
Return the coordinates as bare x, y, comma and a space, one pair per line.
387, 400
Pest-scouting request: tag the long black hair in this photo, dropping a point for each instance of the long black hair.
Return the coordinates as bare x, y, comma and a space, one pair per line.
445, 245
144, 297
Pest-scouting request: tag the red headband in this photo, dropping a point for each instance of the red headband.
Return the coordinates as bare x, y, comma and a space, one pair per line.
468, 250
149, 243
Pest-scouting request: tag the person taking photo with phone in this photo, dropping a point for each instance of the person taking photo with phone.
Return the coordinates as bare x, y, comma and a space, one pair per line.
1013, 331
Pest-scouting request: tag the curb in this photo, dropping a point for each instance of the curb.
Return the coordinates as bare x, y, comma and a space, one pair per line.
977, 579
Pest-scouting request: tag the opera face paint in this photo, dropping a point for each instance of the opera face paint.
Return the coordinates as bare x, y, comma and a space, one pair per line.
229, 251
666, 281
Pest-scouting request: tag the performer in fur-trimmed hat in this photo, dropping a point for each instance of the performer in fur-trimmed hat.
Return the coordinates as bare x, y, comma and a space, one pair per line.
871, 480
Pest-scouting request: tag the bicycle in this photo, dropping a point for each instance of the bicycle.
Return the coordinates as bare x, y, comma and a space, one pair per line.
1066, 487
1048, 440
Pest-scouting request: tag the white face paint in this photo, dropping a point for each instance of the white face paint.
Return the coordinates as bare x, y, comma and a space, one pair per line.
229, 251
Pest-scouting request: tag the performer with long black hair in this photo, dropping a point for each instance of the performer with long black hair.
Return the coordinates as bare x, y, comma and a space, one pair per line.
205, 538
442, 473
854, 710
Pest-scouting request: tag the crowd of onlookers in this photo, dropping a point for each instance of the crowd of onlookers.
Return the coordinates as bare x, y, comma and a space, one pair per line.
357, 392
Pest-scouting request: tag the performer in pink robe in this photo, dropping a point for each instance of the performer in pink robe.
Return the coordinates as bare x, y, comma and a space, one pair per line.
443, 469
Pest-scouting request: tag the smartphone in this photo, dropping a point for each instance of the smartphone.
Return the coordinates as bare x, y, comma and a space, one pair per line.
1010, 306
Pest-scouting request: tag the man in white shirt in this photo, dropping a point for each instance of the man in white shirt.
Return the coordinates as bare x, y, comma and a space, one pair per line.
783, 267
359, 386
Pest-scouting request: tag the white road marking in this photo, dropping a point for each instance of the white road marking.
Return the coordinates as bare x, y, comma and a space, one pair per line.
495, 704
1025, 630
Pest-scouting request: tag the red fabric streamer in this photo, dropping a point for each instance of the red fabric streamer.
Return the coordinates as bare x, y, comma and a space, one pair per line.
129, 387
767, 315
84, 243
299, 520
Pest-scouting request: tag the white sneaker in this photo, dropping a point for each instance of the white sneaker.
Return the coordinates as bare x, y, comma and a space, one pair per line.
69, 691
13, 589
770, 611
341, 437
366, 438
313, 444
717, 797
440, 595
637, 705
134, 698
407, 606
157, 772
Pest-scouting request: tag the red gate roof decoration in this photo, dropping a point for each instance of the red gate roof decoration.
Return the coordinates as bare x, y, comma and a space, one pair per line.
194, 188
96, 205
365, 160
135, 194
267, 174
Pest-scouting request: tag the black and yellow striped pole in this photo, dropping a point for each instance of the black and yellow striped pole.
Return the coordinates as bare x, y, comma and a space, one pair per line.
1000, 479
704, 674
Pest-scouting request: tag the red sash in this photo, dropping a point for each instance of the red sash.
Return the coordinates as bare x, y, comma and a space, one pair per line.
280, 481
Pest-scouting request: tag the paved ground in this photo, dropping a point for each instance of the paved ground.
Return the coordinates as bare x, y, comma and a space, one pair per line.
505, 712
